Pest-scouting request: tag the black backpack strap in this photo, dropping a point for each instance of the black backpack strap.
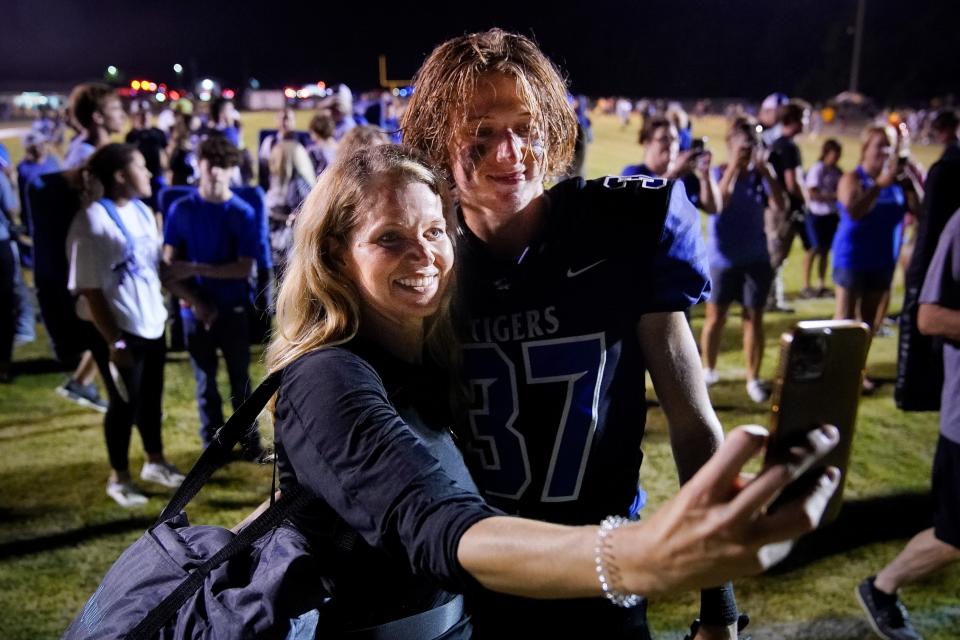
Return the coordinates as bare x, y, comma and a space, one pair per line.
218, 451
292, 499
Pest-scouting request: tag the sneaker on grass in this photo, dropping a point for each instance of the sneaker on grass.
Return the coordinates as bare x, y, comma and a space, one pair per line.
162, 473
757, 392
126, 494
86, 395
885, 613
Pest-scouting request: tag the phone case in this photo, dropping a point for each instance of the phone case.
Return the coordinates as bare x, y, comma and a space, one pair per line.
819, 381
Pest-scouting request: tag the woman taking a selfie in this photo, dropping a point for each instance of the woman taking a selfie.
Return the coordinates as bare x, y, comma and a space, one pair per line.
362, 419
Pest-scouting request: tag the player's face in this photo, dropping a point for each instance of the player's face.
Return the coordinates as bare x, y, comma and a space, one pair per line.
137, 176
663, 149
399, 256
112, 115
497, 159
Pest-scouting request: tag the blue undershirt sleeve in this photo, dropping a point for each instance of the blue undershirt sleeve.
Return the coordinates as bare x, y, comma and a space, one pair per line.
681, 272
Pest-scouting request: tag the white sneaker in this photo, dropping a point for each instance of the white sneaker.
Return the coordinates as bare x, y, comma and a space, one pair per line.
757, 392
126, 494
162, 473
710, 376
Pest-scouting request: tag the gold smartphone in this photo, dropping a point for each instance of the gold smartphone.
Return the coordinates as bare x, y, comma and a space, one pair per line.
819, 381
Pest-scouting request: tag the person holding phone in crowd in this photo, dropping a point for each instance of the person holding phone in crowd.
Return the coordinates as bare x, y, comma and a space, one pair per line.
368, 395
740, 267
662, 158
114, 251
872, 200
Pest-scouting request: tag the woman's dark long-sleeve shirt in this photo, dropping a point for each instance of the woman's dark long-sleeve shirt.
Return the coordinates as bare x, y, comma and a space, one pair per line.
367, 434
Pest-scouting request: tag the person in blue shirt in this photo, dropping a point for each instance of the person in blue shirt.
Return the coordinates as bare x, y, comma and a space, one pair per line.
662, 158
37, 161
872, 200
737, 246
210, 244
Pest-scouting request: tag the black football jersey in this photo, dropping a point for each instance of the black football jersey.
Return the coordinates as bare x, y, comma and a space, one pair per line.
550, 346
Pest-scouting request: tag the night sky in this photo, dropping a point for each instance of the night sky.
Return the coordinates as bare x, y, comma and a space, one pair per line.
680, 48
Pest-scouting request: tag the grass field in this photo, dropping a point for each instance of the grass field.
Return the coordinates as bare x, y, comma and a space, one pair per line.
59, 532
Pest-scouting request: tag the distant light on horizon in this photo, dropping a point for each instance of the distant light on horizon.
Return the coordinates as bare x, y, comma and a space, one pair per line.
178, 68
206, 84
111, 70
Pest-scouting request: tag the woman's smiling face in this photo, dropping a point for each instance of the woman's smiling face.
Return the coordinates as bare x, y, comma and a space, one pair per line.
400, 255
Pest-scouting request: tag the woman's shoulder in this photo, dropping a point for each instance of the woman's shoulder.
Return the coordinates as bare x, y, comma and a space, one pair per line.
336, 365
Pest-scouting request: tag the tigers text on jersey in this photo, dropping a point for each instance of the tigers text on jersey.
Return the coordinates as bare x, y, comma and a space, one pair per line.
550, 346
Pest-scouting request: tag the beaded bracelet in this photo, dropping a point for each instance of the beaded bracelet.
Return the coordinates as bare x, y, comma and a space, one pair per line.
607, 571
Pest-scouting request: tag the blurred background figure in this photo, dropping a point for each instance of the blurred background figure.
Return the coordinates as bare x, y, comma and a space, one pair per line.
114, 250
98, 114
872, 200
291, 177
9, 264
919, 362
623, 109
323, 146
361, 137
151, 142
340, 106
783, 226
223, 120
939, 545
769, 117
822, 217
211, 242
37, 161
182, 149
662, 158
737, 250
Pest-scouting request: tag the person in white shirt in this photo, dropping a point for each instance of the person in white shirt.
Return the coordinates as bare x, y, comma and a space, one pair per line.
821, 223
113, 247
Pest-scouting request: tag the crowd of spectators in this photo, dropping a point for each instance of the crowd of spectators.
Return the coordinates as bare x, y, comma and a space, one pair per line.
205, 251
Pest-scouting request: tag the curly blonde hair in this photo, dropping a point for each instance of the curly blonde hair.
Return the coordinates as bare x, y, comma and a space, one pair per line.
318, 305
446, 84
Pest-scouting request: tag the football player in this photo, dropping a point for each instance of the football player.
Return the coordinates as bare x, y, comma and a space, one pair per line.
570, 295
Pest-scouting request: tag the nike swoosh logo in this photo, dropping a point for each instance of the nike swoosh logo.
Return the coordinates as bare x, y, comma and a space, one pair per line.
571, 273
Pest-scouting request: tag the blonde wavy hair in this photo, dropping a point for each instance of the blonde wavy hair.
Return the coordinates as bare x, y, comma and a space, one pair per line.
447, 82
318, 305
